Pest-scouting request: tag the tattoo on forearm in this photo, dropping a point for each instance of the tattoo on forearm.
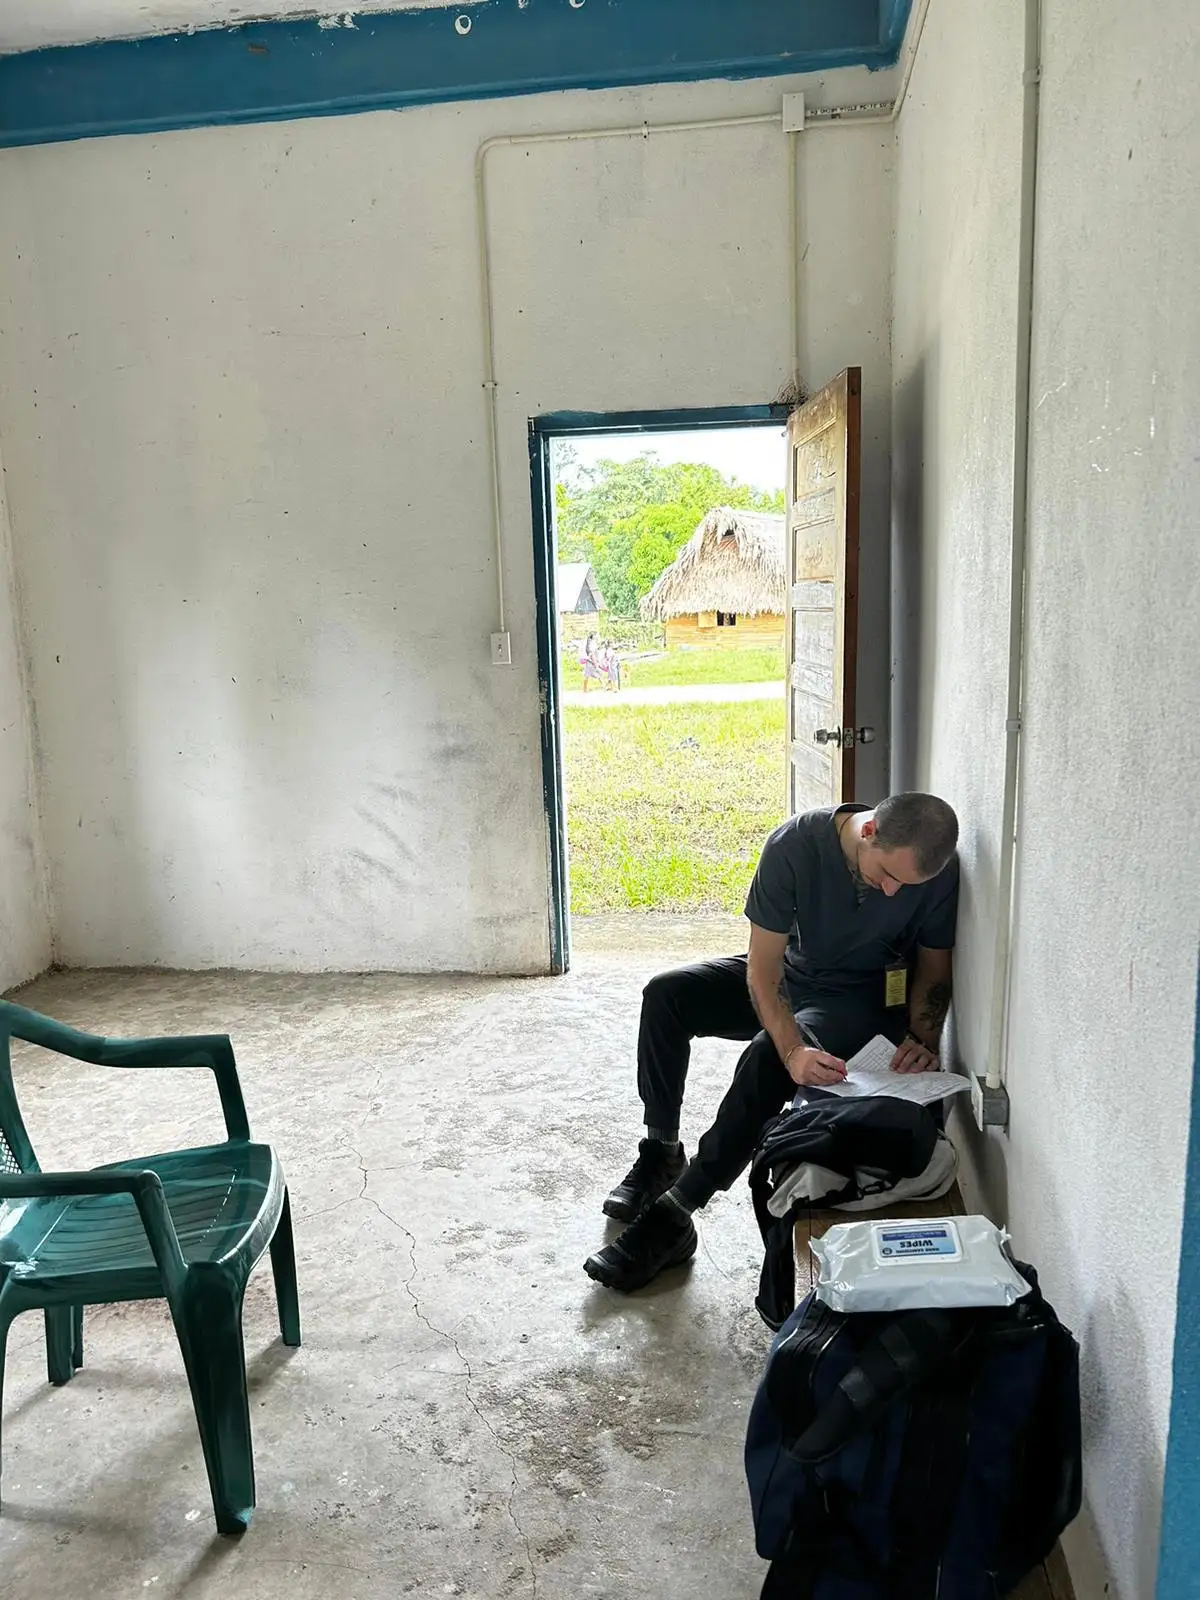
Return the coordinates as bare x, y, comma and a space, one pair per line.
935, 1005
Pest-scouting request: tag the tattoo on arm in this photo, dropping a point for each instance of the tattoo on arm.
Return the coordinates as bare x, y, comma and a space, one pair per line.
935, 1005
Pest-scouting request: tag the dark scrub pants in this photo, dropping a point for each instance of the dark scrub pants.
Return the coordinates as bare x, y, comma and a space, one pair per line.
711, 1001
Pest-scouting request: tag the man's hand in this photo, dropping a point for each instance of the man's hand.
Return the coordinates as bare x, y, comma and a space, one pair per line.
913, 1056
814, 1069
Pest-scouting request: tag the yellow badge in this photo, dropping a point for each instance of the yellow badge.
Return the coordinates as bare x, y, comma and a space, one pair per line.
895, 986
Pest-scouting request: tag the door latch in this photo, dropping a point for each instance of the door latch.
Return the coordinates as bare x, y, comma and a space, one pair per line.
844, 738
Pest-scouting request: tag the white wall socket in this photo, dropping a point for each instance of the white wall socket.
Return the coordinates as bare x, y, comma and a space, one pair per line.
977, 1099
502, 649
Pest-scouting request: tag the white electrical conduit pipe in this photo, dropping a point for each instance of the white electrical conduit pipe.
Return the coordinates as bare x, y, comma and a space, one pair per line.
1001, 972
882, 111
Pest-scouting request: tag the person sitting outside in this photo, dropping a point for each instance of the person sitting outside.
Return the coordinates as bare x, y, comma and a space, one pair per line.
852, 915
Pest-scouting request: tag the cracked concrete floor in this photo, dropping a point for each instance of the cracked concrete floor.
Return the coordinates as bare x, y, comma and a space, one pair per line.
469, 1414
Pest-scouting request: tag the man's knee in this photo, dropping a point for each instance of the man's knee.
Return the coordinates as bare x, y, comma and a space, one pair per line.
760, 1065
662, 992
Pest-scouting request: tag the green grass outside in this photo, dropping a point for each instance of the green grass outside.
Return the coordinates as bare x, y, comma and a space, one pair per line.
668, 806
750, 665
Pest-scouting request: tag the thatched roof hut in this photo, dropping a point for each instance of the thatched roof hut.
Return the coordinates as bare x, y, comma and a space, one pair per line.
732, 565
577, 588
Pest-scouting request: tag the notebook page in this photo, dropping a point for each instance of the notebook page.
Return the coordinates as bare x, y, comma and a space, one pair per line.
869, 1072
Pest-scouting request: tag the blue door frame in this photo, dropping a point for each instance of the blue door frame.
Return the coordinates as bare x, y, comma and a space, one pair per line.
1179, 1555
566, 425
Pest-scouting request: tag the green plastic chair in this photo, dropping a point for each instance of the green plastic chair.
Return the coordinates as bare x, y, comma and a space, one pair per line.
188, 1226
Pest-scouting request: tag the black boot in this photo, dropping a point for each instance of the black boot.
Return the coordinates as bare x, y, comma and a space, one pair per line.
657, 1167
661, 1237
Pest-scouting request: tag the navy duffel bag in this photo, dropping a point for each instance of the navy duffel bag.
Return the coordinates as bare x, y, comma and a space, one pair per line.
920, 1455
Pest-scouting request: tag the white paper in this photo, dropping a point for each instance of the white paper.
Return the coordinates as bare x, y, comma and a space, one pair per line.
869, 1072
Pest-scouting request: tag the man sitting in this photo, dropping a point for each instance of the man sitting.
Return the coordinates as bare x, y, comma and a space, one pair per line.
852, 915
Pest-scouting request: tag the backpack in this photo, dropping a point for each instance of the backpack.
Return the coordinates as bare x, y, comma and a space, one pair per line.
921, 1455
937, 1180
853, 1151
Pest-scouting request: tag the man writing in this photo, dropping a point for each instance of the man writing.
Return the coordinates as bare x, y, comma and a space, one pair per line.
852, 915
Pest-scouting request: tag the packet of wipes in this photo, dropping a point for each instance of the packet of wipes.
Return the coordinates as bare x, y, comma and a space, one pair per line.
903, 1266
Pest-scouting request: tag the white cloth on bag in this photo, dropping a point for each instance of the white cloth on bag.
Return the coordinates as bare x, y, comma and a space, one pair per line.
808, 1182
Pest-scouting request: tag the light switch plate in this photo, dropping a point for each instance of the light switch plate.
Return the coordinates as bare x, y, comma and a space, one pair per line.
793, 113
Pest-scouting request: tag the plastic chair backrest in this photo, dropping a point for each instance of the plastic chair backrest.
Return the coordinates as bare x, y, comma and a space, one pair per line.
16, 1152
8, 1162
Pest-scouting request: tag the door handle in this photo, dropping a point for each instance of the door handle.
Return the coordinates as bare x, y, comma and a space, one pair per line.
844, 738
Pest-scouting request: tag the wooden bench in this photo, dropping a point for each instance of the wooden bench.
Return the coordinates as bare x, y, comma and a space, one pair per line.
814, 1223
1051, 1581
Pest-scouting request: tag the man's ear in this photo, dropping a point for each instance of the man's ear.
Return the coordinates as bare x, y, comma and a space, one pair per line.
867, 830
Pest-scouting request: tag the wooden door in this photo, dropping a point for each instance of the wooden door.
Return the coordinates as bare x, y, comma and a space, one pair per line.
824, 448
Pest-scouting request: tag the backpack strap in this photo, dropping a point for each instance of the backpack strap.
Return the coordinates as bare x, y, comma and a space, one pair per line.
777, 1279
928, 1481
909, 1349
791, 1576
823, 1539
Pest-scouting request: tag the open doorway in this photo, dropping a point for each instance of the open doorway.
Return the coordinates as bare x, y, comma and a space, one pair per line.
662, 604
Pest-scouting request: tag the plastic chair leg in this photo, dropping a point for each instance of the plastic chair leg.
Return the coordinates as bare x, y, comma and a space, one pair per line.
5, 1322
283, 1266
208, 1320
60, 1344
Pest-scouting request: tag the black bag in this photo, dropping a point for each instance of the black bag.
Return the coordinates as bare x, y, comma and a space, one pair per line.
925, 1455
892, 1137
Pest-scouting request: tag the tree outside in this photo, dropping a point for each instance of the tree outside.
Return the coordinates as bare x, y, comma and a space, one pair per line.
630, 519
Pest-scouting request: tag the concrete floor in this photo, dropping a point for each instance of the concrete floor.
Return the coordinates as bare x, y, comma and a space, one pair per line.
469, 1415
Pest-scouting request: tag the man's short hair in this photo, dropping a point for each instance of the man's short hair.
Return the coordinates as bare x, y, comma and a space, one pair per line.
921, 823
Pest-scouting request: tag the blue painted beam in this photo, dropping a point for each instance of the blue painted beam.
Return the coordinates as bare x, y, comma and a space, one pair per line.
1179, 1555
893, 19
270, 71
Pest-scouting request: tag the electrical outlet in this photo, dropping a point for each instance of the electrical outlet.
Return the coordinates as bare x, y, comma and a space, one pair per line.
990, 1106
502, 649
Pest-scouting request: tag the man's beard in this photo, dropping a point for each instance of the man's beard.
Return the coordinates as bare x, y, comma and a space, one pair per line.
860, 883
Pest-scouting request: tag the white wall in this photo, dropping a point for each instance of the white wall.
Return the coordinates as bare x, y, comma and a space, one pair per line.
954, 362
1099, 1060
243, 418
24, 923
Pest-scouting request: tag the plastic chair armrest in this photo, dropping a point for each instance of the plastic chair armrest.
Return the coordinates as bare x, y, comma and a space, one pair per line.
211, 1050
147, 1192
